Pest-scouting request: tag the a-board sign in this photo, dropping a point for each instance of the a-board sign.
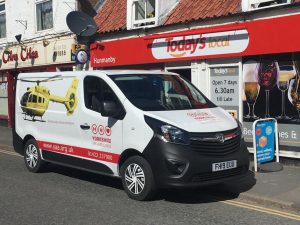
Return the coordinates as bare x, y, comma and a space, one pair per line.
265, 140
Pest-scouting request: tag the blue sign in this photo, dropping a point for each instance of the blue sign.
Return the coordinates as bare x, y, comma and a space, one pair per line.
265, 140
81, 56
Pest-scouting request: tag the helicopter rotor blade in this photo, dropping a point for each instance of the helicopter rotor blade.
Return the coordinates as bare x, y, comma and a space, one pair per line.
51, 78
32, 81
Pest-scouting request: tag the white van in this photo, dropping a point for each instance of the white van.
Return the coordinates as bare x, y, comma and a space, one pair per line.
152, 129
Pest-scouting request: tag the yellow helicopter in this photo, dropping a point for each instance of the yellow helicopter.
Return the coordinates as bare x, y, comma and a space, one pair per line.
36, 100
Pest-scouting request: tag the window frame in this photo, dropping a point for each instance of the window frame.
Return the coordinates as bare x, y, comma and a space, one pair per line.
102, 84
3, 12
248, 4
36, 3
135, 23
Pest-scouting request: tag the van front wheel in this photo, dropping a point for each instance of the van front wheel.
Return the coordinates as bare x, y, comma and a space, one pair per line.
137, 179
32, 157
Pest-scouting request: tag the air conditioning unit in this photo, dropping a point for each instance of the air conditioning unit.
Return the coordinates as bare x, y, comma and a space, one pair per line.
248, 5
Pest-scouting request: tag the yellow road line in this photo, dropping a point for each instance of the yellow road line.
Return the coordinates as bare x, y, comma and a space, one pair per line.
9, 153
262, 209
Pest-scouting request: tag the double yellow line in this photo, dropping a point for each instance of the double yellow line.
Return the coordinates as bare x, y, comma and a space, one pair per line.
228, 202
260, 209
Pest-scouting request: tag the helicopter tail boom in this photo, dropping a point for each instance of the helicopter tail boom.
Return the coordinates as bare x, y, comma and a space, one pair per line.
70, 101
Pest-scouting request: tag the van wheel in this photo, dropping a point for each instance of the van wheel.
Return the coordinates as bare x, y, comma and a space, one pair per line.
137, 179
32, 157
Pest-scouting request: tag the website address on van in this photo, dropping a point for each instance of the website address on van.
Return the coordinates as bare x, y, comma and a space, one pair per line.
78, 151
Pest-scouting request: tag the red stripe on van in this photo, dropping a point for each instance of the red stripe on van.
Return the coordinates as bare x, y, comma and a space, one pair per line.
77, 151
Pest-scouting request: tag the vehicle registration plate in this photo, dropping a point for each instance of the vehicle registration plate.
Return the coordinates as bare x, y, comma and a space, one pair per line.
224, 165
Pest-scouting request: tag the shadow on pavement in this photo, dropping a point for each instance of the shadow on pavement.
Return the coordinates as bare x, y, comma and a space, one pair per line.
86, 176
220, 192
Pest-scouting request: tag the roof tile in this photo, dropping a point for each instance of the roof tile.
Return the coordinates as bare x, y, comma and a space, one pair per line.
112, 16
202, 9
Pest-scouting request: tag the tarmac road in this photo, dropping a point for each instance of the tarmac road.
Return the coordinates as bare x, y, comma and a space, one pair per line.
68, 196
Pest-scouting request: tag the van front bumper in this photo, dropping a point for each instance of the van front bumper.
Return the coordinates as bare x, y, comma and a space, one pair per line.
175, 165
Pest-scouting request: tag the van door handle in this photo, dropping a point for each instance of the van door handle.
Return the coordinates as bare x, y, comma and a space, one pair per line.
85, 126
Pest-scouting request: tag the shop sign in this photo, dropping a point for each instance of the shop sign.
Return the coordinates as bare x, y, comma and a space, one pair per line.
224, 86
231, 40
264, 137
265, 141
200, 45
24, 54
37, 54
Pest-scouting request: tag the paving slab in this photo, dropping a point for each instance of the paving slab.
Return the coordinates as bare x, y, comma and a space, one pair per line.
6, 137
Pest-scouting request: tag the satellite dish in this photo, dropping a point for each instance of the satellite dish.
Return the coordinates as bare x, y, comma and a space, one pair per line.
81, 24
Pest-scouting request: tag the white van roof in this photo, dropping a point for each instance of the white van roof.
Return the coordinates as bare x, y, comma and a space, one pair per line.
93, 72
119, 72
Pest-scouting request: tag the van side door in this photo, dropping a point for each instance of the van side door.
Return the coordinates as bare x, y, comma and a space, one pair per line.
101, 135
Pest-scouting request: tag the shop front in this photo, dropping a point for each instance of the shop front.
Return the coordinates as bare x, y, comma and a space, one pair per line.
251, 69
47, 55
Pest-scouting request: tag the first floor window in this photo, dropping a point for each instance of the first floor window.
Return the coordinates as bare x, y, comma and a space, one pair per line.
143, 12
144, 9
2, 21
44, 15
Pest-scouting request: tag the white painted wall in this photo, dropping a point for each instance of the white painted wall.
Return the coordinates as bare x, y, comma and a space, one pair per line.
26, 10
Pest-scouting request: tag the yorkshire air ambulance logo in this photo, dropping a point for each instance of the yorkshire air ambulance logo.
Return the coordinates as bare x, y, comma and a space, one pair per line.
36, 100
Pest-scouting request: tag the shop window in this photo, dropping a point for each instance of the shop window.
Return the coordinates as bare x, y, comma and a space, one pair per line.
2, 20
44, 14
143, 13
248, 5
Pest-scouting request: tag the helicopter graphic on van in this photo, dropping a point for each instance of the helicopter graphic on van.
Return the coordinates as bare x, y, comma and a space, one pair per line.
35, 101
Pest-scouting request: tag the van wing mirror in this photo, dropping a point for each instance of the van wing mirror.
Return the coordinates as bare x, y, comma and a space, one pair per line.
110, 109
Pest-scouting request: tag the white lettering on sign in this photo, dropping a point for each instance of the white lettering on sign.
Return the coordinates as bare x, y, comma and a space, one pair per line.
200, 44
105, 60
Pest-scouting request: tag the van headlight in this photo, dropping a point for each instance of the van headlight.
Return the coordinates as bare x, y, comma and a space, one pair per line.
167, 132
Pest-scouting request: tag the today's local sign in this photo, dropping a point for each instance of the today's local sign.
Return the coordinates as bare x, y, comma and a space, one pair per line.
200, 44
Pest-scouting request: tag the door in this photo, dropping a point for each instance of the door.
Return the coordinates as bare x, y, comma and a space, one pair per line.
101, 136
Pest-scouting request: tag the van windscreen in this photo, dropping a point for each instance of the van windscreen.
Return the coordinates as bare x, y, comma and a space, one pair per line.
161, 92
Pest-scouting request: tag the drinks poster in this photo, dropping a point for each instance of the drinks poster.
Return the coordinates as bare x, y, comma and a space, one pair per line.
271, 88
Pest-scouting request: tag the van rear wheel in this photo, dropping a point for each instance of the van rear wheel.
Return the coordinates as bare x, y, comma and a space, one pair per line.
32, 157
137, 179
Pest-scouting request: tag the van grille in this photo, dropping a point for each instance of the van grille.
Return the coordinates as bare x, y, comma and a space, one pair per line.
208, 144
210, 176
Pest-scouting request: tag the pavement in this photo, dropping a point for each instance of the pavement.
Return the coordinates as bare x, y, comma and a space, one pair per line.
279, 189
